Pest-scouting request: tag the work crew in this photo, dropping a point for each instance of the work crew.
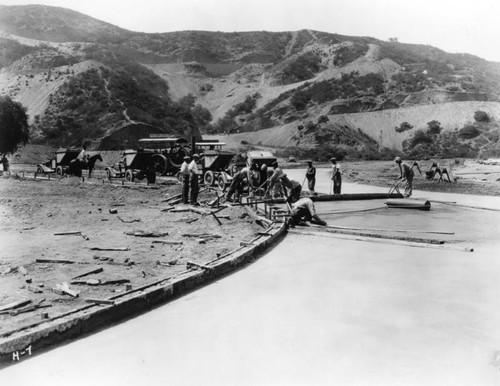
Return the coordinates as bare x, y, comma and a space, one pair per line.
304, 210
311, 176
336, 176
194, 173
293, 188
184, 173
406, 172
237, 183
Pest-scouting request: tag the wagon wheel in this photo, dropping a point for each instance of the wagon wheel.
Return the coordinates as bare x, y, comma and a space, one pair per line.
209, 178
176, 156
59, 171
160, 164
221, 183
39, 170
129, 175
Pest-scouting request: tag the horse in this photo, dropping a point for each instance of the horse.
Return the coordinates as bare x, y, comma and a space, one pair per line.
76, 166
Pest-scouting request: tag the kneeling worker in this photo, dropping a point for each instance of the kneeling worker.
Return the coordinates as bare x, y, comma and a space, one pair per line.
304, 210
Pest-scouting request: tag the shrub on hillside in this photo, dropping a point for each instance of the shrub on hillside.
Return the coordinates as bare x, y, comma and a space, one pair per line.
304, 67
404, 126
434, 127
481, 116
468, 132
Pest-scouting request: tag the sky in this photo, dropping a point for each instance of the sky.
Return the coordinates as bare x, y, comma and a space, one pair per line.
455, 26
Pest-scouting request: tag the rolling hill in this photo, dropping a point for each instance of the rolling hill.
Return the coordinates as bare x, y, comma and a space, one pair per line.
83, 79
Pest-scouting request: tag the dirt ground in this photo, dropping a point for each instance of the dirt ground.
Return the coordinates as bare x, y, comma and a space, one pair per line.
33, 211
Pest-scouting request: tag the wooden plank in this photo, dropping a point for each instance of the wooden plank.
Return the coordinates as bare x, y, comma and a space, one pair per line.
191, 264
64, 287
69, 233
100, 301
16, 304
122, 249
86, 273
381, 241
216, 218
55, 261
170, 242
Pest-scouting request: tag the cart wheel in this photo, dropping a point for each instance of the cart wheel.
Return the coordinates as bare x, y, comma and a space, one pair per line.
160, 164
59, 171
39, 170
129, 175
221, 183
209, 178
108, 174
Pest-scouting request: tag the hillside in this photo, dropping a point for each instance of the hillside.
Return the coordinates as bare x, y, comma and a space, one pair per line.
83, 79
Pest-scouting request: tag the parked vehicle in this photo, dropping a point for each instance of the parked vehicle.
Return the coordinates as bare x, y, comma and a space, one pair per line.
136, 164
168, 152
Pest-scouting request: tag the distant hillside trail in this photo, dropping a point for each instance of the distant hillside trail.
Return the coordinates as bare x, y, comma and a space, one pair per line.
291, 44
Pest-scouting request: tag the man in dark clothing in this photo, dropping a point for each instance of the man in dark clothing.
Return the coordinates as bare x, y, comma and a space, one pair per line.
311, 176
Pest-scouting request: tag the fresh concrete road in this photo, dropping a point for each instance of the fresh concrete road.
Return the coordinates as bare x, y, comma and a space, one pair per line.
317, 310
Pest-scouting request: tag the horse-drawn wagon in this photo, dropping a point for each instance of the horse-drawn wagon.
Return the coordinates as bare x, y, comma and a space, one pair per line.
135, 164
66, 162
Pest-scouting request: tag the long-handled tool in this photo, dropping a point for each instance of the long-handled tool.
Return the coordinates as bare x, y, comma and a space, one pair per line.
395, 186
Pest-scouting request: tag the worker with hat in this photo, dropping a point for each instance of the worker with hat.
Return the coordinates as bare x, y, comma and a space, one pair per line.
311, 176
304, 210
406, 172
194, 173
336, 176
184, 177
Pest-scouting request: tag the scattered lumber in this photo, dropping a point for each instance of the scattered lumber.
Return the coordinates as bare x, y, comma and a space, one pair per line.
200, 211
10, 270
92, 271
191, 220
179, 210
202, 235
34, 289
216, 218
168, 209
115, 281
13, 305
22, 270
55, 261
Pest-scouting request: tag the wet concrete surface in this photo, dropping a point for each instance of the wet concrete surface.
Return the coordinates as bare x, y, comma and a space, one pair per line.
318, 311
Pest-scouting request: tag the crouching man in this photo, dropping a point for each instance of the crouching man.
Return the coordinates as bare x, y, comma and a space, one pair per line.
304, 210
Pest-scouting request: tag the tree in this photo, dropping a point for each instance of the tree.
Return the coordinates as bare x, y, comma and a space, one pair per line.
14, 128
434, 127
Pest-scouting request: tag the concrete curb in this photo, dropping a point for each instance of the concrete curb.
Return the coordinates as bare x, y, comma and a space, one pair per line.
29, 340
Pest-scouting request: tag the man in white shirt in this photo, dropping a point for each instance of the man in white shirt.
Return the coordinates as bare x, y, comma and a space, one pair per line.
185, 179
194, 172
304, 210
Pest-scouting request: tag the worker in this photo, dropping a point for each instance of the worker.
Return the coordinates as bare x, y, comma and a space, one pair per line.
263, 177
237, 183
406, 172
311, 176
82, 156
336, 176
293, 188
436, 170
304, 210
194, 174
274, 181
184, 174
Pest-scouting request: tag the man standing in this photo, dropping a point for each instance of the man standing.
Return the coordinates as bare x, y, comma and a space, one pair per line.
184, 173
274, 185
311, 176
336, 176
304, 210
407, 172
194, 173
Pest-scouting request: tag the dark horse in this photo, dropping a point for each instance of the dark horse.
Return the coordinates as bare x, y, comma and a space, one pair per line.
76, 166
